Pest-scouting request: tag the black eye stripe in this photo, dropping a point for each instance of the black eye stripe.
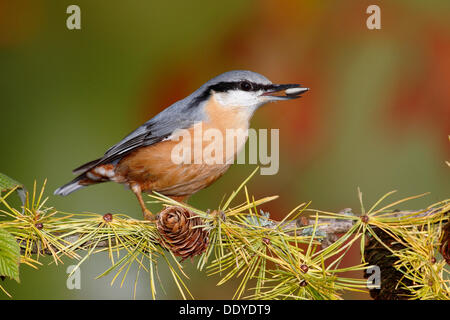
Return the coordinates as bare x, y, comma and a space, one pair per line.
236, 85
227, 86
245, 85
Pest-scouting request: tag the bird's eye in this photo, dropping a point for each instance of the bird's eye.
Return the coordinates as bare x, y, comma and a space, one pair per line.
246, 86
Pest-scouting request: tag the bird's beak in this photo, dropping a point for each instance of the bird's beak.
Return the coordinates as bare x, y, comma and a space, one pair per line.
284, 91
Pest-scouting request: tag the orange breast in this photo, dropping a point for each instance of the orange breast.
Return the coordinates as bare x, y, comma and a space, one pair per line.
153, 168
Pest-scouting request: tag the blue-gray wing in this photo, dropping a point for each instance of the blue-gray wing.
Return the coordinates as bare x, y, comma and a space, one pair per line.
151, 132
180, 115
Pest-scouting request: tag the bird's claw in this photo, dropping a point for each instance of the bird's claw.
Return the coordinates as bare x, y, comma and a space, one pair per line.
218, 213
148, 215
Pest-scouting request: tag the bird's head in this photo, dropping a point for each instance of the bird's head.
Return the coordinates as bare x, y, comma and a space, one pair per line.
247, 90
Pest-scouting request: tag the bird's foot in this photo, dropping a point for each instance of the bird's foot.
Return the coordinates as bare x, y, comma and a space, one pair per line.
148, 215
218, 213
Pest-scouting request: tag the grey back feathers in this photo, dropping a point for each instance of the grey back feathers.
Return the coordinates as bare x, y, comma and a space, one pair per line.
237, 75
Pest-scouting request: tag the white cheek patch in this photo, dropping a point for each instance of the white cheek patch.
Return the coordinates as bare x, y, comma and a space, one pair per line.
237, 98
246, 101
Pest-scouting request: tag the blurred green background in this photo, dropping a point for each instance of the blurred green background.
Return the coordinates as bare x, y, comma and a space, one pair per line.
377, 116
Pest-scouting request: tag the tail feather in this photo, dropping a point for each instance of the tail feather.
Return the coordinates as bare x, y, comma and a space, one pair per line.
90, 174
70, 187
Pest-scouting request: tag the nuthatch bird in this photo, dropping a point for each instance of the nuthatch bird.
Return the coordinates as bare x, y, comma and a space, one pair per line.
142, 160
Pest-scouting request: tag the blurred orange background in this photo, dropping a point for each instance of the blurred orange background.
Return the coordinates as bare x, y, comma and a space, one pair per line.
377, 115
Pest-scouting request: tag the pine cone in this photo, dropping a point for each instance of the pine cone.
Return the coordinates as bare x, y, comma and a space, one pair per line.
176, 228
376, 254
445, 243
